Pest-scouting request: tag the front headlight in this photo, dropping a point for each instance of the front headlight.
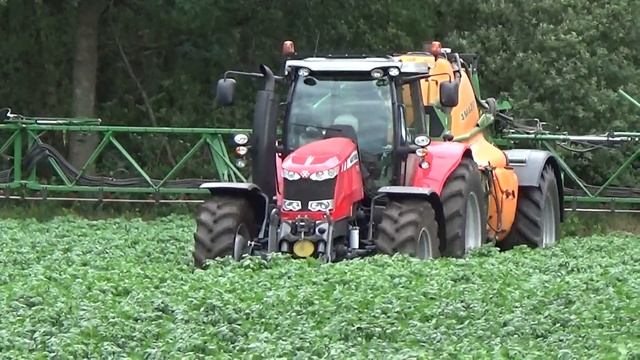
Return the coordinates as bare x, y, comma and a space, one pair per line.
241, 139
290, 175
321, 205
325, 174
291, 205
241, 163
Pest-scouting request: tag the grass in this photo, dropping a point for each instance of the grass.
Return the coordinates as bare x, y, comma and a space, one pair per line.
78, 288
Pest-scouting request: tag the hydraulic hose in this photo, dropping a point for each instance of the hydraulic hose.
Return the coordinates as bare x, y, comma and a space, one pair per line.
43, 152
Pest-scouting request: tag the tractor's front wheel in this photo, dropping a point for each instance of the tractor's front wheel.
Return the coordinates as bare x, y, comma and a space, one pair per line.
409, 227
537, 221
465, 210
225, 226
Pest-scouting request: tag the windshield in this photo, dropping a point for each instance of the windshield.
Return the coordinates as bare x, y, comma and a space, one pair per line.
320, 102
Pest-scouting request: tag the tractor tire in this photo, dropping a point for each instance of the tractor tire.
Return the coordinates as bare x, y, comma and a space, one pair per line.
464, 203
537, 221
220, 222
409, 227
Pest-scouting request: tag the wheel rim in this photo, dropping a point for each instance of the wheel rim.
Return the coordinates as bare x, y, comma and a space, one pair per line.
240, 242
473, 226
423, 246
548, 222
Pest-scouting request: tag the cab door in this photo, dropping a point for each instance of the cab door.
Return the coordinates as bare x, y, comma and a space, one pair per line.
413, 122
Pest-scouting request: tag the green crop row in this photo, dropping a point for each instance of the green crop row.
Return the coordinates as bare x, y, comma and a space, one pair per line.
73, 288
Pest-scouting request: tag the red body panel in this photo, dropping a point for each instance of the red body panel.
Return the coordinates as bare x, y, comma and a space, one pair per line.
320, 156
443, 158
349, 190
327, 154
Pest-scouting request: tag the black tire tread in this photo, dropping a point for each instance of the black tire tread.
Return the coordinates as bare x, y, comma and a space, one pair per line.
401, 223
527, 225
217, 220
464, 179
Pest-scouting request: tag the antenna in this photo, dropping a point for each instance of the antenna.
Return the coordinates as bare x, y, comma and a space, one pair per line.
315, 51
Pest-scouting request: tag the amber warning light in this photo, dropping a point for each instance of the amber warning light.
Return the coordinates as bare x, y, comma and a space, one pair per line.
288, 48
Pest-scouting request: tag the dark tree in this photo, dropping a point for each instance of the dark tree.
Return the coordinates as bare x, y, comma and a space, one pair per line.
85, 65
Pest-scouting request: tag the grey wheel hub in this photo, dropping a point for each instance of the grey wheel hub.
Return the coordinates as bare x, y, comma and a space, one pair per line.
423, 246
241, 242
548, 223
473, 224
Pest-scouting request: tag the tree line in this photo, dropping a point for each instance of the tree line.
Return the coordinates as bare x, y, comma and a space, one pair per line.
153, 62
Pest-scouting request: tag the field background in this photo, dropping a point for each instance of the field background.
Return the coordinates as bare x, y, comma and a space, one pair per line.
118, 281
73, 287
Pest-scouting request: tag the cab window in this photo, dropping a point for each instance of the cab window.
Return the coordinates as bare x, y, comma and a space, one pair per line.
414, 119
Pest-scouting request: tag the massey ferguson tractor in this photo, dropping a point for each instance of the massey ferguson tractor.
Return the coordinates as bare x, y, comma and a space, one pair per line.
376, 154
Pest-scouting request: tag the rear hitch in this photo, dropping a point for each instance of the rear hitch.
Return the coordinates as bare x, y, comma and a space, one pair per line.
358, 253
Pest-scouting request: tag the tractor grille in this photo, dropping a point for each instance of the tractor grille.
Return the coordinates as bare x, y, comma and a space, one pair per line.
305, 190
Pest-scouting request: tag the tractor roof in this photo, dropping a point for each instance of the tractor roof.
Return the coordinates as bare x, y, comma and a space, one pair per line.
355, 64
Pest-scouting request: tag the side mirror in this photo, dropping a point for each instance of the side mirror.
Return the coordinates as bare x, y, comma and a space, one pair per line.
4, 114
225, 91
449, 93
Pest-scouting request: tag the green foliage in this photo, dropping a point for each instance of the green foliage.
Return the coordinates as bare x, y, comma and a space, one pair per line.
73, 288
559, 61
585, 224
36, 54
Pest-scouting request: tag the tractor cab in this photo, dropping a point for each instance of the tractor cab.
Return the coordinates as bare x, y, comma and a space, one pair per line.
358, 98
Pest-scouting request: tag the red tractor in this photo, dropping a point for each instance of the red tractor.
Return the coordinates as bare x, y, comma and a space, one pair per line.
355, 172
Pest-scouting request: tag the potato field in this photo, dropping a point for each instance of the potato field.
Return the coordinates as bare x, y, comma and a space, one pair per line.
72, 288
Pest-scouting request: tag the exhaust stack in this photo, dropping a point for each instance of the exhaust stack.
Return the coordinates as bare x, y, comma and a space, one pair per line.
263, 149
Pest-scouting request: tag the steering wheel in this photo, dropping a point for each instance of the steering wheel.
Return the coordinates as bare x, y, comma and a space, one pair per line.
309, 134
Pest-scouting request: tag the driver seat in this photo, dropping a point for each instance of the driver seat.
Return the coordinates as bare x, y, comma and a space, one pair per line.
344, 126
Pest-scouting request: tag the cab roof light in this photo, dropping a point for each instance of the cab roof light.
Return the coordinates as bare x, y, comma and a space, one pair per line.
377, 73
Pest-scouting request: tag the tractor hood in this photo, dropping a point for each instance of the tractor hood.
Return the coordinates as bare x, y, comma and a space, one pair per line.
322, 155
319, 178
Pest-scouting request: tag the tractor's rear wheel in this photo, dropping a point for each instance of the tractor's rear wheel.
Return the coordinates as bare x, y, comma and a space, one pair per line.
464, 204
537, 221
225, 226
409, 227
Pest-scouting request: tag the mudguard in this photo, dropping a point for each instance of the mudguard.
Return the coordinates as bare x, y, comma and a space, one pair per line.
226, 187
257, 198
407, 190
528, 165
443, 158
